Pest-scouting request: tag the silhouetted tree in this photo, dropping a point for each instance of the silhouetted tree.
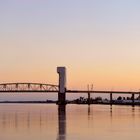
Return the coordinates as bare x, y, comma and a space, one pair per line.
98, 99
123, 98
119, 98
128, 98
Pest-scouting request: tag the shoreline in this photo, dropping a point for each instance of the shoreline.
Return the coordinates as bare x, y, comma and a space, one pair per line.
54, 102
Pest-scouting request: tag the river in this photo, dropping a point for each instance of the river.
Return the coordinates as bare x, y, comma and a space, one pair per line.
73, 122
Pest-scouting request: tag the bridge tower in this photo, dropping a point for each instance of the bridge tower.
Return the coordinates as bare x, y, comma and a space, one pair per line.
62, 85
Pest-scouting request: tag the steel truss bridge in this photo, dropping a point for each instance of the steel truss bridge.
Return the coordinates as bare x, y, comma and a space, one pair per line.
50, 88
40, 87
28, 87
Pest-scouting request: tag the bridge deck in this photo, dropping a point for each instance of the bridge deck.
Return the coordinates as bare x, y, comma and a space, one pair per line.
103, 92
69, 91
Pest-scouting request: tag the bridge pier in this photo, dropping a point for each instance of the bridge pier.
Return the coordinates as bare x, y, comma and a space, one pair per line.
111, 99
133, 99
89, 98
62, 85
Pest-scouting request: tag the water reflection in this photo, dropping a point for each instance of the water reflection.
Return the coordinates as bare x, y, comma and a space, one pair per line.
61, 122
89, 111
28, 121
111, 110
47, 121
33, 122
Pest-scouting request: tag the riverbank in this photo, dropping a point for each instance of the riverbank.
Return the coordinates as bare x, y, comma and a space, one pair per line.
55, 102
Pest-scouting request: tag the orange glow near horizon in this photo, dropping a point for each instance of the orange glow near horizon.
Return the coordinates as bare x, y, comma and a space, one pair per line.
102, 79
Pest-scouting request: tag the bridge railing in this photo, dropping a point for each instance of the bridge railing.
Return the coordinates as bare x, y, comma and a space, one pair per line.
9, 87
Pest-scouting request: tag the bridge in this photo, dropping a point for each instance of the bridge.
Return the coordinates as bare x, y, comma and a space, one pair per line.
28, 87
60, 88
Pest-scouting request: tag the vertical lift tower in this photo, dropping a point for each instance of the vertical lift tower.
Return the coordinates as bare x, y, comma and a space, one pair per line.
62, 85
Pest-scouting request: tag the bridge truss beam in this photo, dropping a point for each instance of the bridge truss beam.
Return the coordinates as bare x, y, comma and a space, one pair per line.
28, 87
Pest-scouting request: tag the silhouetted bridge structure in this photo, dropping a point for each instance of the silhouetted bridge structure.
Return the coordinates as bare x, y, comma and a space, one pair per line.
28, 87
60, 89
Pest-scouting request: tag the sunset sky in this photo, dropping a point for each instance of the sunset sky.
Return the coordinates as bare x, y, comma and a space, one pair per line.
97, 40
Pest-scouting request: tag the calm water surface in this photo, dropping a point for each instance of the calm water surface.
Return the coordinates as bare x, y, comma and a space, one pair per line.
75, 122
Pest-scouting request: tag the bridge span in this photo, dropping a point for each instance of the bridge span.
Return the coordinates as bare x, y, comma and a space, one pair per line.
28, 87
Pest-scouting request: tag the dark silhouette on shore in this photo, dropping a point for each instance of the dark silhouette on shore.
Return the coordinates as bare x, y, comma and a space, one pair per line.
82, 100
99, 100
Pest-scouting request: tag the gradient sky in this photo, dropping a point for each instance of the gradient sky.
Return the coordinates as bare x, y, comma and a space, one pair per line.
97, 40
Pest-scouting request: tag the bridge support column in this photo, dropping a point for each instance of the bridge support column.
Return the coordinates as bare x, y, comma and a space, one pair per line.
89, 98
133, 99
62, 85
111, 99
